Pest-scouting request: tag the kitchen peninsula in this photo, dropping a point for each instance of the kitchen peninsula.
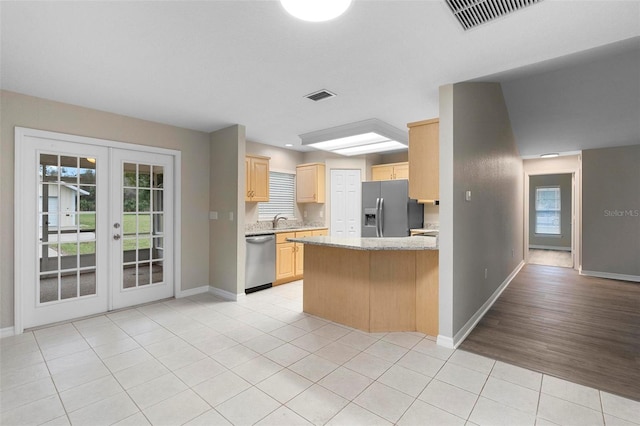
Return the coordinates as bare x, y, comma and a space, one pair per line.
373, 284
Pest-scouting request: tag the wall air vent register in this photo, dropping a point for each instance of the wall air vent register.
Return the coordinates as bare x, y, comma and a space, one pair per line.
471, 13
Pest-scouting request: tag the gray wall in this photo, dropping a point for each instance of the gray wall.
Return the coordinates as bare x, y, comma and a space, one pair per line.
564, 239
486, 232
611, 210
27, 111
226, 195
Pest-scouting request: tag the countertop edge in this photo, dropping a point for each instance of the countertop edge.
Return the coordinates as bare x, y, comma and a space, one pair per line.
283, 230
412, 243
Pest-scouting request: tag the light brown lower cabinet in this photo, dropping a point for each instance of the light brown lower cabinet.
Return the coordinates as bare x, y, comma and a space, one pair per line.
290, 256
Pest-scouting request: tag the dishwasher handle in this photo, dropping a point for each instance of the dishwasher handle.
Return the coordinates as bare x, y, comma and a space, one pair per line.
260, 240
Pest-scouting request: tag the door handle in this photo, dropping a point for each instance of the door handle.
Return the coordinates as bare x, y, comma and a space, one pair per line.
381, 217
377, 217
116, 237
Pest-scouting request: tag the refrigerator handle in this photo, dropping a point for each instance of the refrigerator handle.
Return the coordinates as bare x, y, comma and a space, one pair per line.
377, 217
381, 215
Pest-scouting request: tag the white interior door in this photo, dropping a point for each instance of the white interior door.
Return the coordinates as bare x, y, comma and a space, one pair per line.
346, 188
141, 227
94, 227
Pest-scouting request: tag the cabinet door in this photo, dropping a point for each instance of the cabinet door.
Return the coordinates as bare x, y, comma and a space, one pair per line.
247, 178
299, 253
285, 262
260, 179
424, 152
382, 172
310, 183
401, 171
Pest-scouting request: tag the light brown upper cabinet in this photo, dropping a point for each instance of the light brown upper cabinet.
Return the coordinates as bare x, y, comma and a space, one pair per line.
256, 178
424, 154
390, 171
310, 184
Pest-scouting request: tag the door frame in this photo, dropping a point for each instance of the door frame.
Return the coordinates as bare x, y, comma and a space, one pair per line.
20, 133
576, 212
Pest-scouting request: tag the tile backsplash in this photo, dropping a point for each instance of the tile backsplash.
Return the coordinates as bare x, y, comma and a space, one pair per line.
267, 224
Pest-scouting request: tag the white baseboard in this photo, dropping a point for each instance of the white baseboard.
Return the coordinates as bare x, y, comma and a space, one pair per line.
473, 321
610, 275
445, 341
7, 332
192, 291
532, 246
224, 294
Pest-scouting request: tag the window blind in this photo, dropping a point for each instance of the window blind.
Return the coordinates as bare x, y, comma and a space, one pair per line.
548, 210
281, 197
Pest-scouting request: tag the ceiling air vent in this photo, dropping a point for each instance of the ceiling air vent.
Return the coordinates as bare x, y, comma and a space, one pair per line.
471, 13
320, 95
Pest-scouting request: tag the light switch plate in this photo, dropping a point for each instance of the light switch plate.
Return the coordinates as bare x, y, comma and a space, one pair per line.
213, 215
467, 195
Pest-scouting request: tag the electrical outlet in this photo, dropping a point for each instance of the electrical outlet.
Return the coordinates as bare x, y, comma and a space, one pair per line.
486, 273
321, 213
231, 216
304, 213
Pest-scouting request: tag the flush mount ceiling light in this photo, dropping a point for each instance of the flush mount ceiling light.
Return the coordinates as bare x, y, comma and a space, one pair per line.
550, 155
363, 137
315, 10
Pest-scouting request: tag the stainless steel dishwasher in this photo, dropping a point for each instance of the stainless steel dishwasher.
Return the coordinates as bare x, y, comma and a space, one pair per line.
260, 265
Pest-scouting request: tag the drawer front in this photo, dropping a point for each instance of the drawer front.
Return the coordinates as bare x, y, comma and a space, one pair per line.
320, 232
282, 237
301, 234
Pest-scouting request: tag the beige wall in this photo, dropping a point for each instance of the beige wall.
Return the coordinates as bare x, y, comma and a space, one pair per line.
479, 154
25, 111
227, 187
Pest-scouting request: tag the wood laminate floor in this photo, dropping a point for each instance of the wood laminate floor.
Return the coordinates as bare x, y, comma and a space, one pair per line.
582, 329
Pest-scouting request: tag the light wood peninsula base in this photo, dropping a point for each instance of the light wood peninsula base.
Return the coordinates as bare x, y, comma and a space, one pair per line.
373, 290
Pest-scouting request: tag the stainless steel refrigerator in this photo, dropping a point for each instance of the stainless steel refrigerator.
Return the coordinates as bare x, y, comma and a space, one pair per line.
387, 210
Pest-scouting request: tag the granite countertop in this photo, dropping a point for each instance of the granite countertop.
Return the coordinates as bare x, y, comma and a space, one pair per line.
396, 243
283, 229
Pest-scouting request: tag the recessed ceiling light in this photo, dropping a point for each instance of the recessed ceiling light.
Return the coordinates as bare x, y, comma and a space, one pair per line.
288, 144
363, 137
315, 10
371, 148
550, 155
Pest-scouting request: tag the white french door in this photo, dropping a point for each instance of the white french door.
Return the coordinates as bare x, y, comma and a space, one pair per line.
141, 244
94, 227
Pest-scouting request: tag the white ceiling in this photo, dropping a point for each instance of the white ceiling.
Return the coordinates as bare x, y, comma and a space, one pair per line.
209, 64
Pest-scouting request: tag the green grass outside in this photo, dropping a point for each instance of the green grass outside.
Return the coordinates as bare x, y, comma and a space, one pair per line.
88, 221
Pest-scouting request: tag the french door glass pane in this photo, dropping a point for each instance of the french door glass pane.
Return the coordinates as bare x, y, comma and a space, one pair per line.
142, 220
67, 237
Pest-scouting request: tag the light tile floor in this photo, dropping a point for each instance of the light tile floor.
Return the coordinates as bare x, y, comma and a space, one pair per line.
205, 361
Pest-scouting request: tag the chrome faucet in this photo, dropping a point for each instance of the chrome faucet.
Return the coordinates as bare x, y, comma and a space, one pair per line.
276, 219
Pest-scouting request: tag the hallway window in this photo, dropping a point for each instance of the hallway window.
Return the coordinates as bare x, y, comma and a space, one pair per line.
548, 210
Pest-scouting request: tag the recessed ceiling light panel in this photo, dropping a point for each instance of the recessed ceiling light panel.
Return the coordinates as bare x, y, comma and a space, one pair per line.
363, 137
316, 10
